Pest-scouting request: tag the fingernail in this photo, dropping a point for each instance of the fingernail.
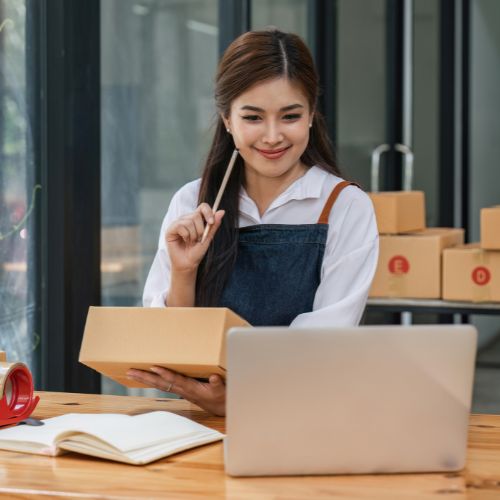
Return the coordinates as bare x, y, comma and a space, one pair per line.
154, 369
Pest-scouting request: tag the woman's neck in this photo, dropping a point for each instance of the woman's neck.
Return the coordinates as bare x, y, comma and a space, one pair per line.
264, 190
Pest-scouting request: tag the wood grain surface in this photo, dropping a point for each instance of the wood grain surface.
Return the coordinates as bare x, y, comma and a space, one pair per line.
199, 473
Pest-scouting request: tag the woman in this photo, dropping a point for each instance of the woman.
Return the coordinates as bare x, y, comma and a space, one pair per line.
294, 244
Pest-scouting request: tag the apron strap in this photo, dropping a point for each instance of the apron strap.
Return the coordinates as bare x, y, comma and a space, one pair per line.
325, 214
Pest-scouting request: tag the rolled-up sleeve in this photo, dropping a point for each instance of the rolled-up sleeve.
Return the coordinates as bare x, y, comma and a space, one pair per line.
349, 265
158, 280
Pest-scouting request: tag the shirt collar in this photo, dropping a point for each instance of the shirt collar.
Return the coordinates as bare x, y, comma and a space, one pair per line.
308, 186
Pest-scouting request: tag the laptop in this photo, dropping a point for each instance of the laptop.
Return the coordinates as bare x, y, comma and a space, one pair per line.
360, 400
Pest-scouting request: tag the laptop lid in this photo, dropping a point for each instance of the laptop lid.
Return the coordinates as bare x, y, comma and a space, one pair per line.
370, 399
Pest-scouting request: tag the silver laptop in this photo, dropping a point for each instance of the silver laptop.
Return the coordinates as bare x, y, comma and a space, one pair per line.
372, 399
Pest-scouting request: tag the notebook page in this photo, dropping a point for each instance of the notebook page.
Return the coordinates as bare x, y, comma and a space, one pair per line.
142, 455
39, 439
138, 431
164, 449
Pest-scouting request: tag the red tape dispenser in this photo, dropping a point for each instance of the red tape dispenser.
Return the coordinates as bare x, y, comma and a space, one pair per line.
16, 392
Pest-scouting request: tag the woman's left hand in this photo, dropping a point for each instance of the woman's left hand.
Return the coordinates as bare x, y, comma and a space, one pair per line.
211, 395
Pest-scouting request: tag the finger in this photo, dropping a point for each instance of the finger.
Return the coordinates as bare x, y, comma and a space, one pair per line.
177, 231
207, 212
175, 382
168, 381
213, 229
199, 223
216, 381
190, 225
146, 378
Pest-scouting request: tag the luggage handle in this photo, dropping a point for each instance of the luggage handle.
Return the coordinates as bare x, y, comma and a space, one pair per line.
407, 167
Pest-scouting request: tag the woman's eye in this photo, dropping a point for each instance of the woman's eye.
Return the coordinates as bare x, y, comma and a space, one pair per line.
291, 117
251, 118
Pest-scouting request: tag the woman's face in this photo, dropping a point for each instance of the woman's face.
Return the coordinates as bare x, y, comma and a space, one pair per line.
270, 127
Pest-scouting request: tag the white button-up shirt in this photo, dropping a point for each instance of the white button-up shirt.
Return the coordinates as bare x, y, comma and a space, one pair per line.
351, 252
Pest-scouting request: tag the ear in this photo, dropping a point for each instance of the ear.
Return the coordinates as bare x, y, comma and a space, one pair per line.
227, 122
311, 117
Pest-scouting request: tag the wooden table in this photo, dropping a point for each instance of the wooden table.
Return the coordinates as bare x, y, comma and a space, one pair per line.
199, 473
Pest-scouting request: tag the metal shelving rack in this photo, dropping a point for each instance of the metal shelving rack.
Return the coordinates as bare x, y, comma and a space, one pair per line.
433, 306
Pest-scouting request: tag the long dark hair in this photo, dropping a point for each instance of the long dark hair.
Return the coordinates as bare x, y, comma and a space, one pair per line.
254, 57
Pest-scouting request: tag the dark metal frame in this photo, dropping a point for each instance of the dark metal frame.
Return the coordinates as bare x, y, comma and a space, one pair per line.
235, 18
394, 49
443, 307
67, 155
323, 25
447, 112
454, 50
465, 104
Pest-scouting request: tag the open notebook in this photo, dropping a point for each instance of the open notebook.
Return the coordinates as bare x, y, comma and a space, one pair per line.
137, 439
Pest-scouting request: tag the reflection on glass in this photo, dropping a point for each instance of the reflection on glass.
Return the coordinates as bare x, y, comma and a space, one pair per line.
426, 104
361, 85
18, 197
287, 15
158, 62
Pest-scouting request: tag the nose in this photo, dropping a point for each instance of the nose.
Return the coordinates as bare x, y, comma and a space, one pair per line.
272, 134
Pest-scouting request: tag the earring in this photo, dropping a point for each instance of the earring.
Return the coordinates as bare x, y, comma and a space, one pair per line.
310, 125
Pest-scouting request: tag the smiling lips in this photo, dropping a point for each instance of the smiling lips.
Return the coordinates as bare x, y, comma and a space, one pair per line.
273, 154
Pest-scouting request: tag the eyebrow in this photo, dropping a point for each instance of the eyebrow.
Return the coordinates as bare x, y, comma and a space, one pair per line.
260, 110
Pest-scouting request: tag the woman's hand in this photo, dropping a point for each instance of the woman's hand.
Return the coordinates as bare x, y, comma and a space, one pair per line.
183, 238
211, 395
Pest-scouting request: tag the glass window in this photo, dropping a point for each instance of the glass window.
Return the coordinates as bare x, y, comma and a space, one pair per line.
426, 104
158, 61
287, 15
361, 85
19, 197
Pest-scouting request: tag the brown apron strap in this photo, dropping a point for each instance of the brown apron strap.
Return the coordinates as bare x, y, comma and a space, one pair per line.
325, 214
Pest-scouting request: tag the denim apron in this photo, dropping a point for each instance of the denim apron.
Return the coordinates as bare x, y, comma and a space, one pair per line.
278, 269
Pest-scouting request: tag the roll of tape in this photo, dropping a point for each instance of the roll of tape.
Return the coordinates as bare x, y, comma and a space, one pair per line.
16, 393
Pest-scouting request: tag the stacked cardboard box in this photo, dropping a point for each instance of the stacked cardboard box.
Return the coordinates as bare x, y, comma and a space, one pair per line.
410, 260
472, 272
490, 228
399, 211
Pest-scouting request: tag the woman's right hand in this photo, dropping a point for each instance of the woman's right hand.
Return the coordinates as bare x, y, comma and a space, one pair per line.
183, 238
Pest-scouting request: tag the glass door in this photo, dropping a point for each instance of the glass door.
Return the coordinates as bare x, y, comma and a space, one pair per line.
387, 93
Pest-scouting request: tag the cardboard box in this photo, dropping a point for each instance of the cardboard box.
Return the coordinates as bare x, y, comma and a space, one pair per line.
471, 273
399, 211
189, 340
3, 357
409, 265
490, 228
